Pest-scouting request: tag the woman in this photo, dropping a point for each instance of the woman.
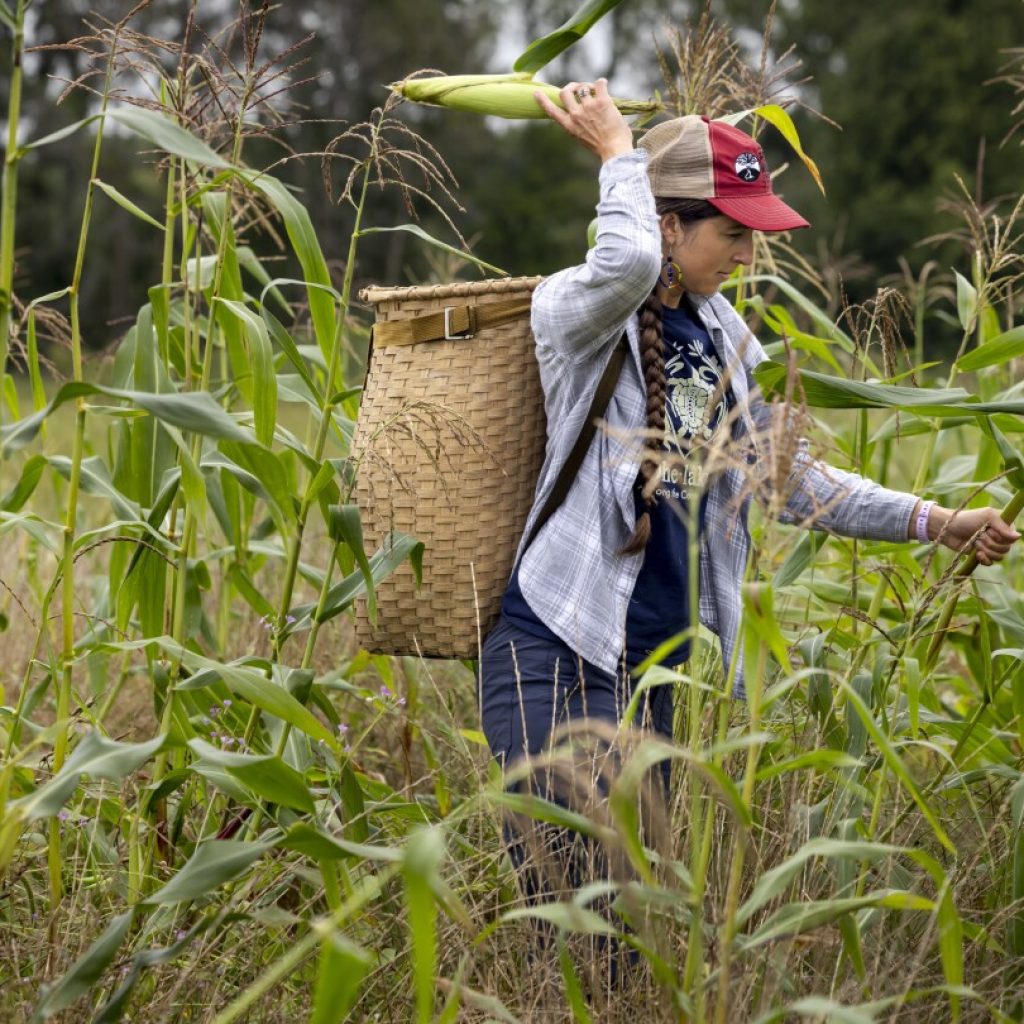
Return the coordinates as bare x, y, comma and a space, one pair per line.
605, 580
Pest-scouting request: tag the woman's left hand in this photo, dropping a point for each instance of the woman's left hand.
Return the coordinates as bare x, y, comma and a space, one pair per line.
956, 529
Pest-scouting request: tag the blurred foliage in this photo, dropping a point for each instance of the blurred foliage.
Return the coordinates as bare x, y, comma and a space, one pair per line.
911, 86
907, 83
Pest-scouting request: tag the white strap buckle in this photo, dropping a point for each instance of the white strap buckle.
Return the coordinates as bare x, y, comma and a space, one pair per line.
467, 334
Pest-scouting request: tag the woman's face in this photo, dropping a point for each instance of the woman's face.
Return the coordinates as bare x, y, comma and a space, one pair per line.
708, 251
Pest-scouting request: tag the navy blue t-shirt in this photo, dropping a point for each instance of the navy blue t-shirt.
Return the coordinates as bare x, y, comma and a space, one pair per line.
695, 408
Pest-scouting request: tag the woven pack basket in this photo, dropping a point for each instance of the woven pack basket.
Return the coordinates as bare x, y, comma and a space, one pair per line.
449, 444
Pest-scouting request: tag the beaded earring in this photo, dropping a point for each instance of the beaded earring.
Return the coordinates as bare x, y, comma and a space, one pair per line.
671, 276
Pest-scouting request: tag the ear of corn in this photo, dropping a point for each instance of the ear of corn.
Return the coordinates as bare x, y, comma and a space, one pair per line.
509, 96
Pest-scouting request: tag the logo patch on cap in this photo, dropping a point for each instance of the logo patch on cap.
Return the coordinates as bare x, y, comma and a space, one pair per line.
748, 167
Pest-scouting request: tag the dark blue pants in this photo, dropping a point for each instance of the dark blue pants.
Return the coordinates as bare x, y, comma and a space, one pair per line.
530, 686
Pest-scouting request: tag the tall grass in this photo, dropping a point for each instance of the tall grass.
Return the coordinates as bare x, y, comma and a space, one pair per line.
214, 807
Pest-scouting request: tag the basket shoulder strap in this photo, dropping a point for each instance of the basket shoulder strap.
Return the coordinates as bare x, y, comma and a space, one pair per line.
453, 323
602, 396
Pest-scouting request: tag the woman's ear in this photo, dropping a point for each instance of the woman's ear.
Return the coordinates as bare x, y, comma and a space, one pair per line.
670, 228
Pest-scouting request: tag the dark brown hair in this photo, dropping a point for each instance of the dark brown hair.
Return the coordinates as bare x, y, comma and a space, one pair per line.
652, 362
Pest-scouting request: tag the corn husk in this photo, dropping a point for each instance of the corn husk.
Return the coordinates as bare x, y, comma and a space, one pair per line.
509, 96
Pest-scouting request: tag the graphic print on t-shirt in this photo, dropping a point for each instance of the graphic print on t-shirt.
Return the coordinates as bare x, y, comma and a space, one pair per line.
694, 411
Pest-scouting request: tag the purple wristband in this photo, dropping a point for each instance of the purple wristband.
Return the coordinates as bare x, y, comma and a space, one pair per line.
921, 527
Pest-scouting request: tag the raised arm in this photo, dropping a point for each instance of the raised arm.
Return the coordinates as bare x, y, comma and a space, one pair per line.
579, 310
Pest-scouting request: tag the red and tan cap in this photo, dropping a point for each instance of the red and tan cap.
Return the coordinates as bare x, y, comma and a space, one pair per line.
693, 157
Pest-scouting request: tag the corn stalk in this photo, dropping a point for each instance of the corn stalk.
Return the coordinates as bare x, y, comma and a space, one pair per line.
67, 564
9, 191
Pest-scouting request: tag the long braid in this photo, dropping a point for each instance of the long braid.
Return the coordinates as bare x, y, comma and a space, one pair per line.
652, 361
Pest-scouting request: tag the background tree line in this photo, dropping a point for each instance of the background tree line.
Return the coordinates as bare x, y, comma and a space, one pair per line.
914, 87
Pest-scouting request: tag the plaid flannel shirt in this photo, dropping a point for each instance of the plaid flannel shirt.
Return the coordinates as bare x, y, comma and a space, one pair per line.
572, 576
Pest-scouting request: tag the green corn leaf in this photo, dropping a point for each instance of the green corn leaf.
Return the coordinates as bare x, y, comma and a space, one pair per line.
214, 863
776, 882
356, 827
543, 51
299, 228
1012, 460
913, 426
161, 506
823, 391
395, 551
343, 965
421, 859
41, 530
573, 989
415, 229
140, 475
779, 319
61, 133
199, 272
897, 765
800, 918
250, 263
94, 478
314, 843
799, 558
196, 411
261, 358
126, 204
34, 372
267, 775
912, 687
31, 472
966, 301
759, 608
46, 801
254, 687
248, 683
346, 527
849, 928
951, 946
322, 481
87, 970
102, 758
539, 809
818, 1008
820, 760
167, 135
568, 917
267, 468
243, 583
1001, 349
823, 324
223, 780
286, 343
9, 396
222, 460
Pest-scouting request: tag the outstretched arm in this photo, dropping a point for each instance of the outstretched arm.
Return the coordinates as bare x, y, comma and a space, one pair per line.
849, 504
